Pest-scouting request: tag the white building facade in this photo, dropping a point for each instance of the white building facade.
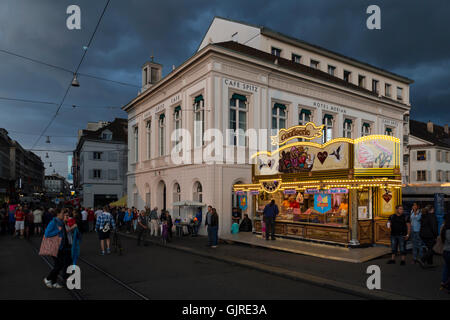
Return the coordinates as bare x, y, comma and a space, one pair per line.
102, 163
245, 77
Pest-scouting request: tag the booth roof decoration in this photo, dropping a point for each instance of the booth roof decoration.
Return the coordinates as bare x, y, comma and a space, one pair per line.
308, 131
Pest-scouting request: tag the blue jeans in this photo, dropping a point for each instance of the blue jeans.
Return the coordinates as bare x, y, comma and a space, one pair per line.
212, 235
398, 241
417, 245
446, 268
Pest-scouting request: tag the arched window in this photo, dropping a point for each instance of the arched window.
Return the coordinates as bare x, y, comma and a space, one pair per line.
176, 192
198, 192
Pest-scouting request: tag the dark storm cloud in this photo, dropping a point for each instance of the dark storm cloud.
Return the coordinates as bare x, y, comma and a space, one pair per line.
414, 42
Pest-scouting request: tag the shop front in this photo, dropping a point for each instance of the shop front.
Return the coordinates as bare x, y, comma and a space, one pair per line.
340, 192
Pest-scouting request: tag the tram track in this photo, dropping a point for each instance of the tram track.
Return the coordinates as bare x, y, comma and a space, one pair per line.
83, 294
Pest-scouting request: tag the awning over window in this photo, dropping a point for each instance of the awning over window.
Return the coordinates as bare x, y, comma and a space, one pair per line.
162, 116
349, 121
328, 116
177, 108
198, 98
306, 111
279, 105
365, 124
239, 97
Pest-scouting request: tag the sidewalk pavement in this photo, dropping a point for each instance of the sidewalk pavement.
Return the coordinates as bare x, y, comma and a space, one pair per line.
397, 282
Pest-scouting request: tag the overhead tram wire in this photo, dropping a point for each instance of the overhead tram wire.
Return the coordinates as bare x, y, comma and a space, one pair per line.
70, 84
65, 69
55, 103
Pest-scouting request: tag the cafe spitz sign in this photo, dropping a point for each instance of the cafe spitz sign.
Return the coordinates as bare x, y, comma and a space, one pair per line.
308, 131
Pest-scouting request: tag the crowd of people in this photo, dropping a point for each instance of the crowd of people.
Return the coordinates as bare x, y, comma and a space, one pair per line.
421, 227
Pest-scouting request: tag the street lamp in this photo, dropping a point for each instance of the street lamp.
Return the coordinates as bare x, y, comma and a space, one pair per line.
75, 82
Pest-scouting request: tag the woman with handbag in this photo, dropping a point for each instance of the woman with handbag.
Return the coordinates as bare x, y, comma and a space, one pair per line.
56, 231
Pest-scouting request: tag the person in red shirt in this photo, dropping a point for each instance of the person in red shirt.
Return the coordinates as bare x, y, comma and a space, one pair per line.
20, 221
91, 218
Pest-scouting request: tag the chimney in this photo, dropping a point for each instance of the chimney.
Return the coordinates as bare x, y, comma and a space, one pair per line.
446, 129
430, 126
151, 74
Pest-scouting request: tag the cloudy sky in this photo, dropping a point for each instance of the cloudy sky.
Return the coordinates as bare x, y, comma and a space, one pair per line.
414, 42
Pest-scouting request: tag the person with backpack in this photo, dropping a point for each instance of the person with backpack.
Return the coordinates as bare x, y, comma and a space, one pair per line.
104, 224
428, 234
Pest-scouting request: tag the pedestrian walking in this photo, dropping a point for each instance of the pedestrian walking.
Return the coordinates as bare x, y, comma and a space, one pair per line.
91, 219
164, 231
400, 227
169, 225
19, 217
134, 221
63, 259
270, 213
104, 225
12, 219
84, 220
37, 220
127, 220
97, 213
428, 234
212, 226
415, 217
154, 222
142, 228
445, 238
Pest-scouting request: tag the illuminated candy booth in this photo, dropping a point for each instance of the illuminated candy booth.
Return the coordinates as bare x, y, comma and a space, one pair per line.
341, 191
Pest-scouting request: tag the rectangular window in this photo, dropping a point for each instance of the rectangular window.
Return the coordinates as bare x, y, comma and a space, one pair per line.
347, 75
438, 156
98, 155
162, 133
97, 173
276, 52
177, 126
303, 118
388, 131
331, 70
438, 175
421, 175
314, 64
296, 58
348, 128
399, 93
328, 129
387, 89
136, 144
278, 116
421, 155
148, 127
154, 75
361, 81
238, 119
365, 129
199, 121
375, 86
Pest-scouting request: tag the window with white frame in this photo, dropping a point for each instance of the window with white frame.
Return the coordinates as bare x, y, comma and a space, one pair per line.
199, 121
198, 192
438, 155
296, 58
439, 175
304, 117
328, 128
97, 155
279, 116
238, 119
176, 192
421, 175
136, 144
389, 131
361, 81
331, 70
347, 75
387, 89
177, 126
399, 93
348, 128
314, 64
148, 127
97, 173
375, 86
365, 129
162, 134
276, 52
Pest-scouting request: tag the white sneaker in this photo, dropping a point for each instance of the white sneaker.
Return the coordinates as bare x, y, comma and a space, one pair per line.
57, 286
48, 283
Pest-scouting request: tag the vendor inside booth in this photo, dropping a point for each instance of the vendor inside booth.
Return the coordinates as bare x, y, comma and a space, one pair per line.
341, 192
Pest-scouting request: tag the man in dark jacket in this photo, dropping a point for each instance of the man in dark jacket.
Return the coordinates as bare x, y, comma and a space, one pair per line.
270, 213
428, 233
212, 226
400, 230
